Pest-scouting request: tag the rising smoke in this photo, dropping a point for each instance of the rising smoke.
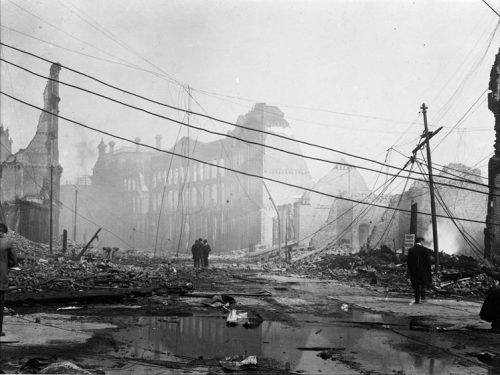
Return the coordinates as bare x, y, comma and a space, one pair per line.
451, 241
449, 238
86, 153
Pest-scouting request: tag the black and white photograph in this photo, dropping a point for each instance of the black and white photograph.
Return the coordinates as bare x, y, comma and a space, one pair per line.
250, 187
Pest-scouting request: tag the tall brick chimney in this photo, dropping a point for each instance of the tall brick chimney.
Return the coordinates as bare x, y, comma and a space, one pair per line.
111, 147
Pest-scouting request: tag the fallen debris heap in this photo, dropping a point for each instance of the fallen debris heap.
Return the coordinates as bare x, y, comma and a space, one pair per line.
460, 275
41, 272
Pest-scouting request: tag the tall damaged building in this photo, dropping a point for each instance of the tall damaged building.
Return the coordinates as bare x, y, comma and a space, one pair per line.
151, 200
27, 176
492, 231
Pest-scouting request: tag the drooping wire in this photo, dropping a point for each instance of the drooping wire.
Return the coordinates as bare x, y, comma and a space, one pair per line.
388, 226
227, 135
209, 163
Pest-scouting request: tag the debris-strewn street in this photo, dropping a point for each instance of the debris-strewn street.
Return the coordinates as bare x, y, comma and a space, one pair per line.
134, 315
250, 187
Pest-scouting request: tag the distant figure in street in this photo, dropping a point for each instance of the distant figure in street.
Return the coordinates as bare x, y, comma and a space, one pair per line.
196, 250
7, 259
419, 269
490, 311
206, 251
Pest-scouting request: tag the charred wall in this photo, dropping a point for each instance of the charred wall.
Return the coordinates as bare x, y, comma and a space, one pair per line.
492, 230
26, 175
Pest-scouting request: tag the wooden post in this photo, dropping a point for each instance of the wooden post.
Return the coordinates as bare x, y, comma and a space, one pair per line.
65, 241
88, 244
431, 188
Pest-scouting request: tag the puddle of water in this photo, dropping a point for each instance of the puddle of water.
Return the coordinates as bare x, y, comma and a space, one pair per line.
356, 347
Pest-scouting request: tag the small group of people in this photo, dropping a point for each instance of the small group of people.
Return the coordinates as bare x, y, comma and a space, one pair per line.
200, 250
419, 271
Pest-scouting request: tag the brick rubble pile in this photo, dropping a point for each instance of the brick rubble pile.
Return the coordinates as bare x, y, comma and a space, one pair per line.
460, 275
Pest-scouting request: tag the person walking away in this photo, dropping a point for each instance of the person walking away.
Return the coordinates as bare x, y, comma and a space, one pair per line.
200, 252
419, 270
490, 311
195, 251
8, 259
206, 251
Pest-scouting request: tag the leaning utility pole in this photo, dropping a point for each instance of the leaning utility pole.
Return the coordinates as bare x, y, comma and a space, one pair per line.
431, 188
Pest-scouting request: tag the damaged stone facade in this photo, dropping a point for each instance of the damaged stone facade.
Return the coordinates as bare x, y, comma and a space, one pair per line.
232, 211
115, 198
25, 175
393, 225
492, 230
317, 220
135, 190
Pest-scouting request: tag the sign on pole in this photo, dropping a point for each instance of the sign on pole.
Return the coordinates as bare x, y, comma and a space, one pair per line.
409, 242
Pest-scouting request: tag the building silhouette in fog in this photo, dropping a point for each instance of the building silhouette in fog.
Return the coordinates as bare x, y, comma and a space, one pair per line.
145, 197
231, 210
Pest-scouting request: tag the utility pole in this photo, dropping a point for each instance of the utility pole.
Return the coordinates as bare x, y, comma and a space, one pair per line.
286, 236
51, 183
75, 213
51, 201
431, 188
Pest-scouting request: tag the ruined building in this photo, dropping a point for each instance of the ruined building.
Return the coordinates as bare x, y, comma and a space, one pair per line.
115, 198
317, 219
462, 199
492, 230
320, 220
25, 177
231, 210
150, 199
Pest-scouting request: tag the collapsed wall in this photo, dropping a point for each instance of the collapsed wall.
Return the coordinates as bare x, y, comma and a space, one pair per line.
25, 177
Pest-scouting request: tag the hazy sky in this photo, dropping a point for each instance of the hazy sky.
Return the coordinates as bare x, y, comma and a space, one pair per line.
350, 75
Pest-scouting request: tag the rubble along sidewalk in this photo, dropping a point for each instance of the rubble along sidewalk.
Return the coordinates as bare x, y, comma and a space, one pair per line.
445, 314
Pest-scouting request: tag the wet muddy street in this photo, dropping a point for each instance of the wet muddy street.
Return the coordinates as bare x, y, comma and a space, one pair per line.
293, 331
306, 344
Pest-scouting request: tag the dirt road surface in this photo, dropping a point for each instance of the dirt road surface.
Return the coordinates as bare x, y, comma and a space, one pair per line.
293, 325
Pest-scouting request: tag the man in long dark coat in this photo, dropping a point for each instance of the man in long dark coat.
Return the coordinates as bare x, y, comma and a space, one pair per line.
490, 311
205, 252
419, 270
7, 259
196, 250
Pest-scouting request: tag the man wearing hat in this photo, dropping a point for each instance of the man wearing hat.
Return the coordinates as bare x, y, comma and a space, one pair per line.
419, 269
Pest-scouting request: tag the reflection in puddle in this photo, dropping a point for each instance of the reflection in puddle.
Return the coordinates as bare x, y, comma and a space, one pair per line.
296, 345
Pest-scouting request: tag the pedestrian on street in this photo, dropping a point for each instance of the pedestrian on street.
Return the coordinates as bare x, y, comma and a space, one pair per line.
490, 311
206, 251
8, 259
419, 269
196, 251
